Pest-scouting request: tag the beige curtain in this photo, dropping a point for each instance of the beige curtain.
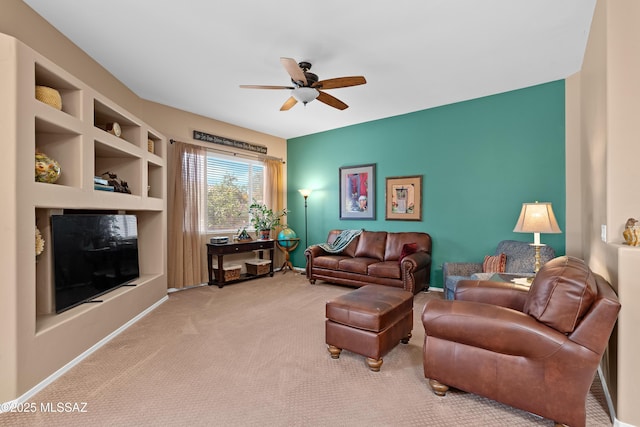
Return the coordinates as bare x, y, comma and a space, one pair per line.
274, 198
187, 241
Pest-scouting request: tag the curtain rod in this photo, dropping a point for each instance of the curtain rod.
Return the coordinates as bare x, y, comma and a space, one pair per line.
233, 153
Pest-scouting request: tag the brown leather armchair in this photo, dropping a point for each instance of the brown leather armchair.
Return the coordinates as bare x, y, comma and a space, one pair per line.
537, 349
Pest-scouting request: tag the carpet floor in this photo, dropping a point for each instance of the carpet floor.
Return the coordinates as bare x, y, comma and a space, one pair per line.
253, 354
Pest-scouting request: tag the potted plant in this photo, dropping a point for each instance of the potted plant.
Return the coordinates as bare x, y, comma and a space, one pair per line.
264, 219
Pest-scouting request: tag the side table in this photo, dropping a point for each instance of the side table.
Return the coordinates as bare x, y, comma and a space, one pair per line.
234, 248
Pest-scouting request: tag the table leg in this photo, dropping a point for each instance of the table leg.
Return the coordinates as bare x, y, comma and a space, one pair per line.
220, 273
271, 263
210, 268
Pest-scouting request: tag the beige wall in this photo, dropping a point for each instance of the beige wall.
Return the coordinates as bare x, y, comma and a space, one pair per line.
17, 355
606, 93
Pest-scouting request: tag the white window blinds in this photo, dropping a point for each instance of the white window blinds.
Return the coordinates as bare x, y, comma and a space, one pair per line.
232, 184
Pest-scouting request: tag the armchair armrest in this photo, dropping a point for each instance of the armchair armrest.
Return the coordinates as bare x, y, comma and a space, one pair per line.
504, 294
453, 272
491, 327
460, 269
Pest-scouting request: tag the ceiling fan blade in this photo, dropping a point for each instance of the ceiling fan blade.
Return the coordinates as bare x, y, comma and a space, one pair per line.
294, 70
340, 82
288, 104
265, 87
331, 101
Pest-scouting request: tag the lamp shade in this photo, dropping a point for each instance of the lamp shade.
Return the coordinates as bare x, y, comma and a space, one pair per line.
305, 192
537, 218
305, 94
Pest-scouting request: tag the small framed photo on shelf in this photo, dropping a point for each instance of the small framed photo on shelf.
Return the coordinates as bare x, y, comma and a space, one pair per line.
403, 196
358, 192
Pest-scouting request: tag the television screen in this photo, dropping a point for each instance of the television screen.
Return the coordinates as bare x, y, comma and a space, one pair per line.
92, 254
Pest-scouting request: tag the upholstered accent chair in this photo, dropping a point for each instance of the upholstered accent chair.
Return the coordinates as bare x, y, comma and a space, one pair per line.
520, 261
535, 349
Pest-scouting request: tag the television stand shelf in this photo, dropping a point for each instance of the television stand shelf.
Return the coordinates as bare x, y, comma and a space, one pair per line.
235, 248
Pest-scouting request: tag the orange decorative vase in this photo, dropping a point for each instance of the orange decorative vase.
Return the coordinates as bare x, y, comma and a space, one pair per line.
47, 169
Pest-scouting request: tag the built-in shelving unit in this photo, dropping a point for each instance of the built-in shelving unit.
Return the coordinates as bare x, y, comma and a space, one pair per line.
41, 341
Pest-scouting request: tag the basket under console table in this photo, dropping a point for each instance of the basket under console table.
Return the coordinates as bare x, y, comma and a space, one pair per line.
220, 250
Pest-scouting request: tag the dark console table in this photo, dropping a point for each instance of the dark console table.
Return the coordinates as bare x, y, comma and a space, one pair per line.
235, 248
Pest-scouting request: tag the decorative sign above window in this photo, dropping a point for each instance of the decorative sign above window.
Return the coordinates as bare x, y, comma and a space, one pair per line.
201, 136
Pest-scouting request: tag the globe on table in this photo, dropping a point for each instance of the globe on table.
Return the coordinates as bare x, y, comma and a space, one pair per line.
286, 237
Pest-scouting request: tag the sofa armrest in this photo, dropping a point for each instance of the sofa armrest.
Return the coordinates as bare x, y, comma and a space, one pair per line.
310, 253
314, 251
416, 261
504, 294
490, 327
465, 269
416, 271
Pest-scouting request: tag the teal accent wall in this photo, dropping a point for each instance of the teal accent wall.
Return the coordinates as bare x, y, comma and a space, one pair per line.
480, 160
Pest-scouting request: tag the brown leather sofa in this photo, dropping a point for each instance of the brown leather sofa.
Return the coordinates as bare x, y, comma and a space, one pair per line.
537, 350
373, 257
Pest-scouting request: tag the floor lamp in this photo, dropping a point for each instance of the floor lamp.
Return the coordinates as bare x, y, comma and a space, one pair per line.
305, 193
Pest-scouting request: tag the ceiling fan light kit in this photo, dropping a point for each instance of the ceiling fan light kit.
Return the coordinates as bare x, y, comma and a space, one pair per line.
307, 87
305, 94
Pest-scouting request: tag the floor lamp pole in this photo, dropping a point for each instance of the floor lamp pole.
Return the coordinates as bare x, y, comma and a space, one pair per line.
305, 221
305, 193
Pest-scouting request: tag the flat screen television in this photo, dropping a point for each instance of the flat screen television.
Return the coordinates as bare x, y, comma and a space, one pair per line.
92, 255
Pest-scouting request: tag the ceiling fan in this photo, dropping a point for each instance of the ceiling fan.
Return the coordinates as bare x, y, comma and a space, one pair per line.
306, 86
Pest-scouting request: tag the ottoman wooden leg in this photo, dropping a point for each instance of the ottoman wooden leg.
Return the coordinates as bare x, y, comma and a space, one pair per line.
374, 364
438, 388
406, 339
335, 351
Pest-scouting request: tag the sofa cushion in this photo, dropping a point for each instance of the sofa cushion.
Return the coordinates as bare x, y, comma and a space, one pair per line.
494, 263
388, 269
331, 262
358, 265
372, 245
561, 293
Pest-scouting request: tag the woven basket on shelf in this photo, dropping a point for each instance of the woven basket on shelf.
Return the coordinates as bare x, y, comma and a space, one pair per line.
150, 145
50, 96
231, 272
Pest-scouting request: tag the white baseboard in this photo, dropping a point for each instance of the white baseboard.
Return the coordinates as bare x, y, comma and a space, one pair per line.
607, 395
57, 374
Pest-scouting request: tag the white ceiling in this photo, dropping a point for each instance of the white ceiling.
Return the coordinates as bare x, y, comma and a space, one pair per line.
193, 54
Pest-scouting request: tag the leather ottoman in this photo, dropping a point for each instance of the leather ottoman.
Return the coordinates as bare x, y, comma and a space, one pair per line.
369, 321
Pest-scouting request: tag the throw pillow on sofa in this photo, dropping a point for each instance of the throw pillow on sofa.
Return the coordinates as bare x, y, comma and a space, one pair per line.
494, 263
408, 249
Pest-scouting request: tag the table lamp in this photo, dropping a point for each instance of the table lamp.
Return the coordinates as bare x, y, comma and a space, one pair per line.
537, 218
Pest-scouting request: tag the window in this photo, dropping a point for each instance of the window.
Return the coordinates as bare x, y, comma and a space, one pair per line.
232, 184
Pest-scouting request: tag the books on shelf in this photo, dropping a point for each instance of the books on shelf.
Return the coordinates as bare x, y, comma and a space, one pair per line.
101, 181
103, 187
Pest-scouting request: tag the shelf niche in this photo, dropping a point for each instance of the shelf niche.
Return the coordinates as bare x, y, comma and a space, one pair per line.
63, 146
70, 94
103, 115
